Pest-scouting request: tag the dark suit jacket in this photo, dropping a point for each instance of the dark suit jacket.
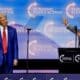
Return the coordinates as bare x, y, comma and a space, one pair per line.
73, 29
12, 46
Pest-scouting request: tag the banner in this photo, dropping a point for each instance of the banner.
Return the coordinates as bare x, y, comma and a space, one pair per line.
45, 18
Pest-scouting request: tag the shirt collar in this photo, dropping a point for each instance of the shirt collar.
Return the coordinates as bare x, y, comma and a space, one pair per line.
1, 27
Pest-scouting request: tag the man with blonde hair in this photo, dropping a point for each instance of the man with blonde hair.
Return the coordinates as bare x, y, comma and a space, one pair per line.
8, 46
74, 30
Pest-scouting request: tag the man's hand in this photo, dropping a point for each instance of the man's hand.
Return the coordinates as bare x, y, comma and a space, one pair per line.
15, 62
78, 33
65, 21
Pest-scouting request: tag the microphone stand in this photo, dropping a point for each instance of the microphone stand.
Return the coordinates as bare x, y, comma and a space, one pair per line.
28, 33
75, 36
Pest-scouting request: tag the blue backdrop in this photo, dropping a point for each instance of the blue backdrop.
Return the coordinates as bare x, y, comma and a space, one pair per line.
45, 18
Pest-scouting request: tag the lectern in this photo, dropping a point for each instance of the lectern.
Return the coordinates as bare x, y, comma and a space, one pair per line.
69, 59
69, 55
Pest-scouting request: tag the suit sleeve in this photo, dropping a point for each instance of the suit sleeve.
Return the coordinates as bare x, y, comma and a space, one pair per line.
15, 45
72, 29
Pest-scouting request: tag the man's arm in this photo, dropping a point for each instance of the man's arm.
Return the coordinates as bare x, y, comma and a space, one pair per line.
15, 61
71, 28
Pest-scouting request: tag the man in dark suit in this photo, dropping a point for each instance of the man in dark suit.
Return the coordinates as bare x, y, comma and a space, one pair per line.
8, 46
73, 29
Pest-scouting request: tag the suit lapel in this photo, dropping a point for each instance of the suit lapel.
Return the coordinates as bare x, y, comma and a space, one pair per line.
0, 41
8, 37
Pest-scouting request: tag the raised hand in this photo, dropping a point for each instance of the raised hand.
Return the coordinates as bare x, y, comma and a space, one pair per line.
65, 21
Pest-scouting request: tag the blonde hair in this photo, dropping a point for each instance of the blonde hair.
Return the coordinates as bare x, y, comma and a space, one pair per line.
2, 15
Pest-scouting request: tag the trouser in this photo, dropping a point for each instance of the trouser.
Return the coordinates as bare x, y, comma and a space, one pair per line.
6, 68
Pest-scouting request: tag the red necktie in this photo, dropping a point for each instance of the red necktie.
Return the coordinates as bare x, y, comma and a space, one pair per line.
4, 42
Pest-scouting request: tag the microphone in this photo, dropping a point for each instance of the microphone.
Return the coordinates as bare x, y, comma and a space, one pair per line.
28, 29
